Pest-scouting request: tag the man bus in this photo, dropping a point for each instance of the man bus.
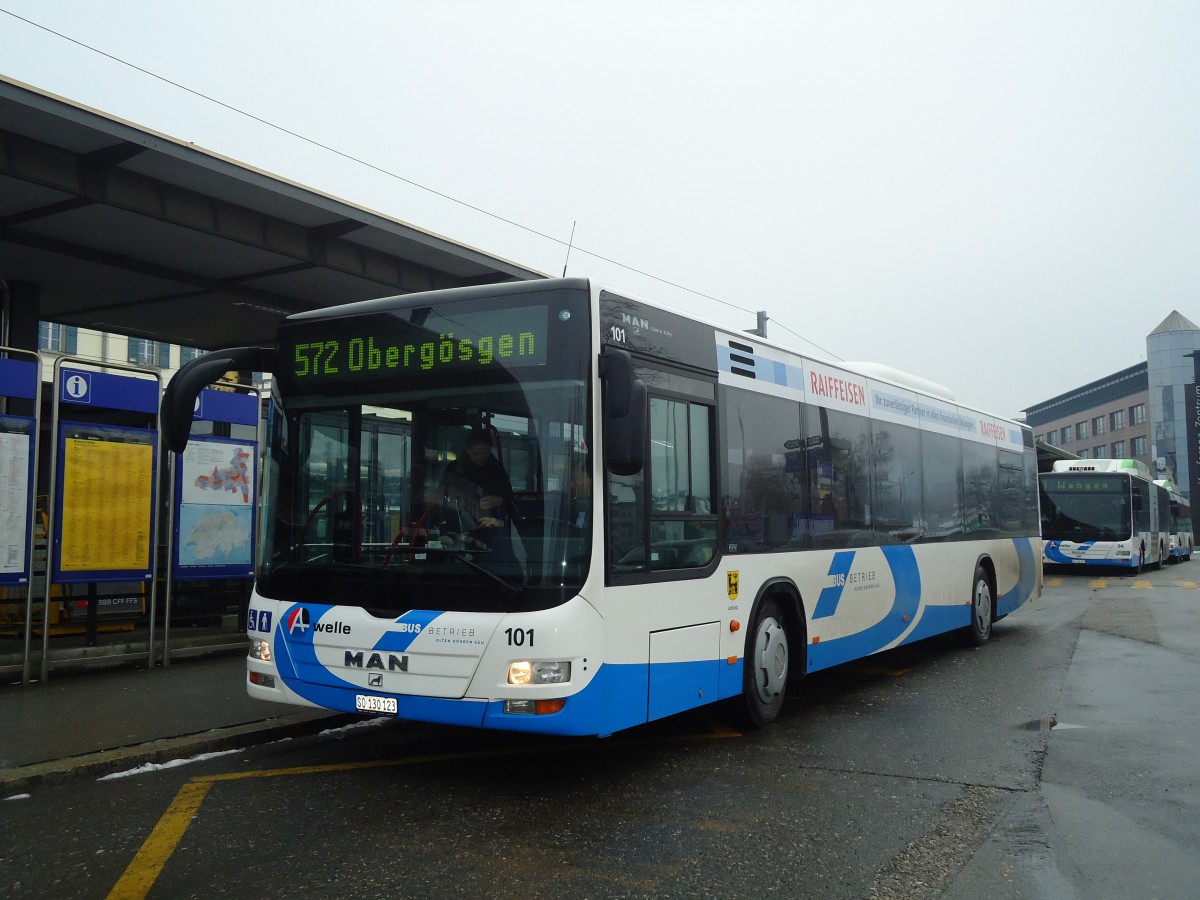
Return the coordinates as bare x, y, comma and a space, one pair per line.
751, 514
1103, 512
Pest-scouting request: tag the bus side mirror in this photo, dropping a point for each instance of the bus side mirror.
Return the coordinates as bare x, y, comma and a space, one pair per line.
624, 414
179, 399
1137, 502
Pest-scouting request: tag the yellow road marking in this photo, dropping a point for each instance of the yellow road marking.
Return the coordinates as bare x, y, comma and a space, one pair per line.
141, 874
150, 860
1053, 582
1187, 585
1142, 585
1098, 584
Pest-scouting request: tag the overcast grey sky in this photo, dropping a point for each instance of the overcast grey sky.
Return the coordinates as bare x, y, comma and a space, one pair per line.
1003, 197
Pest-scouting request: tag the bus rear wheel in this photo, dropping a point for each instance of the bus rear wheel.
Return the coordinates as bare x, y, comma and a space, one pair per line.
765, 674
980, 630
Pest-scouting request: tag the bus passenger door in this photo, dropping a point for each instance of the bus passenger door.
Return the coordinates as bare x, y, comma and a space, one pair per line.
662, 529
662, 524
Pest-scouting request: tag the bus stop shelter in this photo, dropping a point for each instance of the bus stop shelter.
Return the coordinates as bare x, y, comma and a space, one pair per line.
111, 226
108, 226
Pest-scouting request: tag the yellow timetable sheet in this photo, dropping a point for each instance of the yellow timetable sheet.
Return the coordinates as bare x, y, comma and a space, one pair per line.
107, 496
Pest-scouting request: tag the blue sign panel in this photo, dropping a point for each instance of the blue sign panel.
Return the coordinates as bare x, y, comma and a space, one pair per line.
226, 406
215, 489
18, 381
216, 493
16, 491
109, 391
18, 378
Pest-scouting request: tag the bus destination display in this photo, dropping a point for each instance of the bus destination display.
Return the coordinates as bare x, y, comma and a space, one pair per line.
364, 347
1087, 485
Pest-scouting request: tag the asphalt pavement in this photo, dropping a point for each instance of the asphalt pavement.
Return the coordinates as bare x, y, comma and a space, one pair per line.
96, 721
1119, 771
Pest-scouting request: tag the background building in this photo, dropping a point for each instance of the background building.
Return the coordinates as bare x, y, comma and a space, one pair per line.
1105, 419
55, 339
1171, 370
1136, 413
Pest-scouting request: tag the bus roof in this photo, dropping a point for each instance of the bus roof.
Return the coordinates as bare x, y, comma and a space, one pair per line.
875, 371
1103, 465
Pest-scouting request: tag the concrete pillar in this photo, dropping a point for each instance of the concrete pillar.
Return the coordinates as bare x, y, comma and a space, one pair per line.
20, 307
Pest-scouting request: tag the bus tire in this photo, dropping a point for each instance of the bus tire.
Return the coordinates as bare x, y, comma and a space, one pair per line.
765, 671
982, 608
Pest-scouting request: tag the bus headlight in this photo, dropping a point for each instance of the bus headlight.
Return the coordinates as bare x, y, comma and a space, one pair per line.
260, 649
528, 672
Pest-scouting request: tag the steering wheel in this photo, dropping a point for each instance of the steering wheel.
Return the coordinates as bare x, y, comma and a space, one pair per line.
326, 501
412, 531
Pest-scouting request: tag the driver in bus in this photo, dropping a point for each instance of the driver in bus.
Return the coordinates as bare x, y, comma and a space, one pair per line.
479, 496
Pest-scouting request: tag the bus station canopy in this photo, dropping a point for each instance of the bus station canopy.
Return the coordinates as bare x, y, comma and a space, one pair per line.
126, 230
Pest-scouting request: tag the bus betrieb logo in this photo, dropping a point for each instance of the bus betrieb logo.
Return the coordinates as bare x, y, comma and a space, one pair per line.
298, 620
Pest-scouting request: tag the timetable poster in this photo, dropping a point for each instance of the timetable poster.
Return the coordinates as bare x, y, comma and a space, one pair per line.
14, 504
107, 491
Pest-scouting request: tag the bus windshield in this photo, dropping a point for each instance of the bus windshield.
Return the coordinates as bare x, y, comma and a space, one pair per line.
457, 485
1095, 507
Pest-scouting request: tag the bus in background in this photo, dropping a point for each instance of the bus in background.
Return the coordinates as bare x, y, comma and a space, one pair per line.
691, 513
1181, 513
1179, 537
1103, 512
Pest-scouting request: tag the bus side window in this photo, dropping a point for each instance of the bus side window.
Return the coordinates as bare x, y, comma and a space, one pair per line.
683, 531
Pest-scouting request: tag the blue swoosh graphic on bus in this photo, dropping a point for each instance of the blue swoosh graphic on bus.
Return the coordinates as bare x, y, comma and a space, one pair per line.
1026, 580
294, 648
295, 654
415, 621
839, 568
907, 577
1054, 555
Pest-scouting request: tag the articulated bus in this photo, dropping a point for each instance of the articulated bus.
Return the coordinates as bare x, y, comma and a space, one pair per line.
1181, 515
692, 513
1104, 512
1179, 537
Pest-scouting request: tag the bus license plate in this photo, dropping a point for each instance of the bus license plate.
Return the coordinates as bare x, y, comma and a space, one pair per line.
371, 704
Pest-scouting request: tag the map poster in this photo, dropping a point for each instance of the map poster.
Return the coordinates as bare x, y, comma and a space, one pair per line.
14, 505
218, 472
214, 521
107, 502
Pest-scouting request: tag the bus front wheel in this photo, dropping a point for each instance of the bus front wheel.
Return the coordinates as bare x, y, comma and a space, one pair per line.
980, 629
764, 678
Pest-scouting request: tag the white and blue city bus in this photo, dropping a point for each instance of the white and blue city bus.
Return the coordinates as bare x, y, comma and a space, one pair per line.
1103, 512
1179, 536
757, 514
1181, 517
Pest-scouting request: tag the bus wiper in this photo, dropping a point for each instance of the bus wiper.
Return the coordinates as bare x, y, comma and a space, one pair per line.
325, 567
514, 590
